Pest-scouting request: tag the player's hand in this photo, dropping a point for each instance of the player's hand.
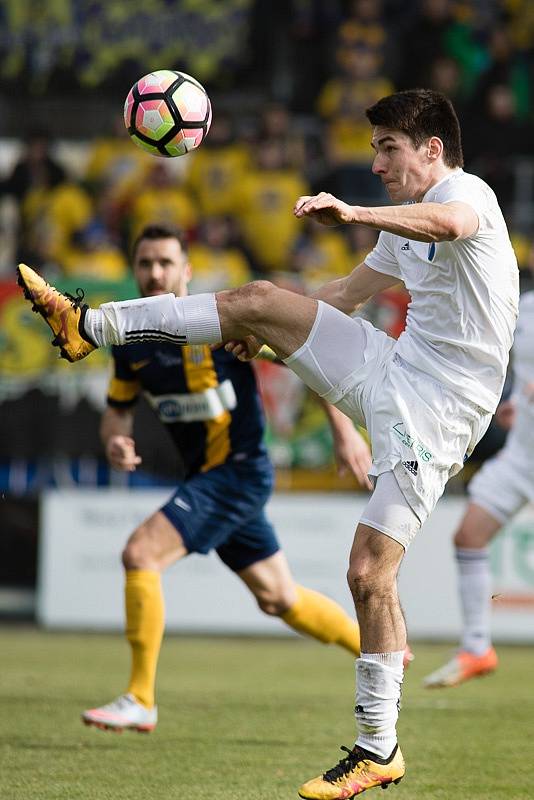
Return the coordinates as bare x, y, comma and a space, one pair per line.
325, 208
120, 452
505, 414
353, 456
245, 349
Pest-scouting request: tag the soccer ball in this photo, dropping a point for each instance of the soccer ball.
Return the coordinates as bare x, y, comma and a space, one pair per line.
167, 113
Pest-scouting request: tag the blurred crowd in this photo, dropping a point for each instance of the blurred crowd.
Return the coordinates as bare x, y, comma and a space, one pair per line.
290, 82
308, 132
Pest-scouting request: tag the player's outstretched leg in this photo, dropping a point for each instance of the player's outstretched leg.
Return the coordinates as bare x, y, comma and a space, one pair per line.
62, 312
279, 317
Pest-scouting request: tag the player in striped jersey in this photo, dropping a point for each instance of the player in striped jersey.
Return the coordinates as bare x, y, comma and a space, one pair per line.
208, 401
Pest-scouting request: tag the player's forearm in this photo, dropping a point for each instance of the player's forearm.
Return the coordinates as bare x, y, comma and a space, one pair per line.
422, 222
340, 424
115, 422
350, 293
335, 294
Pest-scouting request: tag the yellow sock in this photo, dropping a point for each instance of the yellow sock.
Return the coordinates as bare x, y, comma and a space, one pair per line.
324, 619
144, 631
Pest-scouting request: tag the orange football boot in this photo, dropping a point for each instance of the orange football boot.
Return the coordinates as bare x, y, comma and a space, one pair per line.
461, 668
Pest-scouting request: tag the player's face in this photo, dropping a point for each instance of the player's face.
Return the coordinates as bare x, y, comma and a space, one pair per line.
160, 267
405, 172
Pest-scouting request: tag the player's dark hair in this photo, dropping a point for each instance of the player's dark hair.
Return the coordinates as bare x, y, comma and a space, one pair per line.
153, 232
420, 114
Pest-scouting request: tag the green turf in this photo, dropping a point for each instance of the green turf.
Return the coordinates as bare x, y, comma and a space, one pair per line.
247, 718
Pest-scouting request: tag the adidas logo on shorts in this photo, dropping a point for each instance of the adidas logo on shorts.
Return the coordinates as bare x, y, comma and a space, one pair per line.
411, 466
405, 246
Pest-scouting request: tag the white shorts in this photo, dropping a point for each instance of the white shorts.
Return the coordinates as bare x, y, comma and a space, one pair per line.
388, 511
503, 485
419, 429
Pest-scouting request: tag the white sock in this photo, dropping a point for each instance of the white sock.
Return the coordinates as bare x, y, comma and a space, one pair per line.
181, 320
378, 689
474, 579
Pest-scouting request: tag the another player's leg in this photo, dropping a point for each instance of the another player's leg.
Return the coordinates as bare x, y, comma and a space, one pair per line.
304, 610
476, 656
375, 759
152, 548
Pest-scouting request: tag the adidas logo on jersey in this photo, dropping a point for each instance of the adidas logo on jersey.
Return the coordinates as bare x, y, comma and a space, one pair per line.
411, 466
405, 246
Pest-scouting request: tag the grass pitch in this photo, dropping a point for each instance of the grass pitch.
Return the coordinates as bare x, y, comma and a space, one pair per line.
248, 718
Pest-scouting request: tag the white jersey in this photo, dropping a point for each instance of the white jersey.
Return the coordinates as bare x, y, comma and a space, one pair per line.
464, 295
521, 436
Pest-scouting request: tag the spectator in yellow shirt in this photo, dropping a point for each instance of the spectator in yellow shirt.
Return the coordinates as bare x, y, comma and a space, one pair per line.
217, 168
93, 254
277, 123
342, 103
35, 168
265, 202
51, 216
113, 164
364, 27
320, 255
218, 262
161, 201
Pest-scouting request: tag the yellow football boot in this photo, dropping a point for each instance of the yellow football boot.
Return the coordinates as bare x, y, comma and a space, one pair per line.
358, 771
62, 312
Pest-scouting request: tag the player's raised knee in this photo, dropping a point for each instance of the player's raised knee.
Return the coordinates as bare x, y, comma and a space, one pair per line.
257, 298
138, 554
274, 604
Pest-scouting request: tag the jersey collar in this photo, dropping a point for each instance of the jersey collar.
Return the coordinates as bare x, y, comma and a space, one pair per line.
429, 196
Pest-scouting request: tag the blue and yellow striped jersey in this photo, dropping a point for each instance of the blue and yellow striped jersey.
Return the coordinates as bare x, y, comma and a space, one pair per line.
207, 399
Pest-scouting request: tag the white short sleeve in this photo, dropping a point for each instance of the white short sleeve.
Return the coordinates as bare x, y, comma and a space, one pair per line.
468, 189
382, 258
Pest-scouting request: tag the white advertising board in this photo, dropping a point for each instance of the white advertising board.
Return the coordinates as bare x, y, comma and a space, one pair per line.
81, 578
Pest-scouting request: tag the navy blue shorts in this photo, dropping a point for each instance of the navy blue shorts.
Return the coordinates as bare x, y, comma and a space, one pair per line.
223, 509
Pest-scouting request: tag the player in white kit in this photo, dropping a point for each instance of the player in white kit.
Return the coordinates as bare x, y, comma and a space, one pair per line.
425, 399
497, 492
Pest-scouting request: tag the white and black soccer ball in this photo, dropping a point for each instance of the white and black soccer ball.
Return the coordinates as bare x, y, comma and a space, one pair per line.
167, 113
